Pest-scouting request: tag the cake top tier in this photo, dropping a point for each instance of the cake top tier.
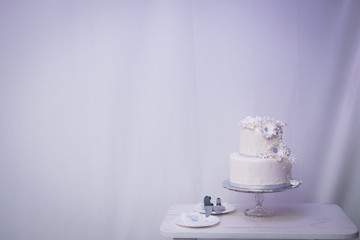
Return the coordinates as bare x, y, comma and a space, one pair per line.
262, 137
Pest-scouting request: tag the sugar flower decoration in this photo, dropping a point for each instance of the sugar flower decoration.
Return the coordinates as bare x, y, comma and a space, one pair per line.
270, 129
268, 126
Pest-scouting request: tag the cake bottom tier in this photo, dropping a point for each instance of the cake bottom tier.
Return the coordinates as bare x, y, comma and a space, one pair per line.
247, 170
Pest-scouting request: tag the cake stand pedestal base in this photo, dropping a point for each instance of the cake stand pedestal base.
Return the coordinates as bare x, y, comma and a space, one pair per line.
259, 211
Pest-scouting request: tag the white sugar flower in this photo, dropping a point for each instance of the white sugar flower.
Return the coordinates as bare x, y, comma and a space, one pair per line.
270, 130
284, 151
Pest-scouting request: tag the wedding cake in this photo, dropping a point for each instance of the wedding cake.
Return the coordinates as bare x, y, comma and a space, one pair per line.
263, 160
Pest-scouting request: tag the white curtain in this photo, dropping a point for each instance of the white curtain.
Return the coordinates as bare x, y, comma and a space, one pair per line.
112, 111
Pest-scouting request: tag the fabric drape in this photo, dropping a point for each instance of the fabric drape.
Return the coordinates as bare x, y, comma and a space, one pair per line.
112, 111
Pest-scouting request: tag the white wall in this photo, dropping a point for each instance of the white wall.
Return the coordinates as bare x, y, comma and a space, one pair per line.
111, 111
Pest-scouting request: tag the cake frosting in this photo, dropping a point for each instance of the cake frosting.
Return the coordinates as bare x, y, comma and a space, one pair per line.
262, 158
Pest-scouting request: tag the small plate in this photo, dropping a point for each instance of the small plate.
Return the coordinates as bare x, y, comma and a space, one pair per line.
200, 208
201, 221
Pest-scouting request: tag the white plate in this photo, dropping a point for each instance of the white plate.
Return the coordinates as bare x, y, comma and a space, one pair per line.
200, 208
201, 222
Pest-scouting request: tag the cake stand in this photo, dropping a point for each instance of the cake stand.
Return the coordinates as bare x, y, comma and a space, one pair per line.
258, 195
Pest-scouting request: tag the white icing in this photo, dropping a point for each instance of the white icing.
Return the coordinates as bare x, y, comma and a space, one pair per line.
262, 137
263, 158
245, 170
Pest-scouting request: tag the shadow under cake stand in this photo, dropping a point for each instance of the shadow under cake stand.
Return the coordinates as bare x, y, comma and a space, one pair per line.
258, 195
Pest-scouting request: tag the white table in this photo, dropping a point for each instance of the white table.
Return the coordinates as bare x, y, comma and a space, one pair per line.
291, 221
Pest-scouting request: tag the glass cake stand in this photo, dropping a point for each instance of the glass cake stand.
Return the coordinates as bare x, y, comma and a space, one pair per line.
258, 211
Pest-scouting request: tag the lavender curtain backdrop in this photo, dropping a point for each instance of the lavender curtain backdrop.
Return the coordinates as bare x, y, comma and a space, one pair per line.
111, 111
